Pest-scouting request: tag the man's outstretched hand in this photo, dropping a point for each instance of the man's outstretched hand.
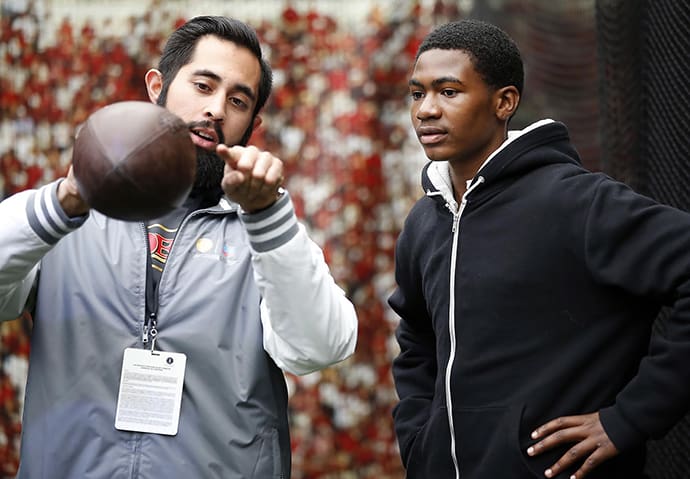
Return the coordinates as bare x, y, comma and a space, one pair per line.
252, 177
590, 444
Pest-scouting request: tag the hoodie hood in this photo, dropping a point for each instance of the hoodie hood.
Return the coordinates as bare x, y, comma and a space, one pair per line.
547, 142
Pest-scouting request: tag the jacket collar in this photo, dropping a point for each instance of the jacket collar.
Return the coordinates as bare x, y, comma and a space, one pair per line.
436, 179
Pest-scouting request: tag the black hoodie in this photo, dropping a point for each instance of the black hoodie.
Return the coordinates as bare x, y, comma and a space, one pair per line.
534, 299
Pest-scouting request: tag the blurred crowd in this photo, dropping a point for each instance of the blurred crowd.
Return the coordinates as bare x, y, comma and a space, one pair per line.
338, 119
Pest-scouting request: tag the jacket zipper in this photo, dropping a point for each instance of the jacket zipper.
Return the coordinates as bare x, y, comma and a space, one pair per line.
147, 317
451, 318
150, 328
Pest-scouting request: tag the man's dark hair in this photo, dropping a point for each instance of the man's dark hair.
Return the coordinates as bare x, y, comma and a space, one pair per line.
180, 47
493, 53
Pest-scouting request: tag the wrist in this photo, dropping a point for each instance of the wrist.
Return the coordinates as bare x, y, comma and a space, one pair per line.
254, 209
70, 200
273, 226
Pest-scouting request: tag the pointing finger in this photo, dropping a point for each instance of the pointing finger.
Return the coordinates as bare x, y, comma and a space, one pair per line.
231, 155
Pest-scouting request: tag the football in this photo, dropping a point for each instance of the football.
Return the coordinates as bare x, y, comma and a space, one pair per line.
134, 160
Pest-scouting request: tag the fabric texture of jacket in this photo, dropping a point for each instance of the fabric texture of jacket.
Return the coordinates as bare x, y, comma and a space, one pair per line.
243, 296
532, 298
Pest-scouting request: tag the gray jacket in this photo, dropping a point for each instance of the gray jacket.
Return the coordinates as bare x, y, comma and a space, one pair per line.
253, 297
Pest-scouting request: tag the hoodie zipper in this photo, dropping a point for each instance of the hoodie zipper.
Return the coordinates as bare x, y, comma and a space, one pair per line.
451, 318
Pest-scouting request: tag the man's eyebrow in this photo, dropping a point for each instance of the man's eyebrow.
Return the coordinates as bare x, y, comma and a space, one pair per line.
241, 87
436, 82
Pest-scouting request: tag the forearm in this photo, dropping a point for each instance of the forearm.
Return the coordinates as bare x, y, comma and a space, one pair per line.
414, 372
31, 222
308, 321
658, 396
647, 253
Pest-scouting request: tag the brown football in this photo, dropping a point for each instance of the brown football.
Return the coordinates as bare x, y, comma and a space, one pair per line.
134, 160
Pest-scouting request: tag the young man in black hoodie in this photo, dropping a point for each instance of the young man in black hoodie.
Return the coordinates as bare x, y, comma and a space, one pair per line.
527, 287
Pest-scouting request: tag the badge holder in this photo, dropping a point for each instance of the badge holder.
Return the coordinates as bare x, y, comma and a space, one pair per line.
150, 391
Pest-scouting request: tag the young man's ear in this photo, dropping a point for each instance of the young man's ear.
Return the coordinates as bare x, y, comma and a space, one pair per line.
154, 84
507, 101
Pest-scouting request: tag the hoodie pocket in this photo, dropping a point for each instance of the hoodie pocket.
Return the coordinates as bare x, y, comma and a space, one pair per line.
488, 444
429, 455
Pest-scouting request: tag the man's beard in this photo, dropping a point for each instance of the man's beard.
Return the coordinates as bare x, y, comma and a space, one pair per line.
209, 166
209, 170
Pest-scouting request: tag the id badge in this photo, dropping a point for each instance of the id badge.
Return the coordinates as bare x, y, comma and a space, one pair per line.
150, 391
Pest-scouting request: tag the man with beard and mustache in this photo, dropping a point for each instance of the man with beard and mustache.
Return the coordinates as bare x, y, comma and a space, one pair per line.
158, 348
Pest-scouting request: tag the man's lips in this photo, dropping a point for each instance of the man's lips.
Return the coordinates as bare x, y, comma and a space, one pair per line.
429, 135
205, 134
203, 138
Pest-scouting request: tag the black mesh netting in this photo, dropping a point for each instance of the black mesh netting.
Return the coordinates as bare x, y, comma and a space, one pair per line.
619, 86
645, 114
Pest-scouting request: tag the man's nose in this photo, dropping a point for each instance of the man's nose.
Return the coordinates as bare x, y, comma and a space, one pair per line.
428, 108
215, 108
